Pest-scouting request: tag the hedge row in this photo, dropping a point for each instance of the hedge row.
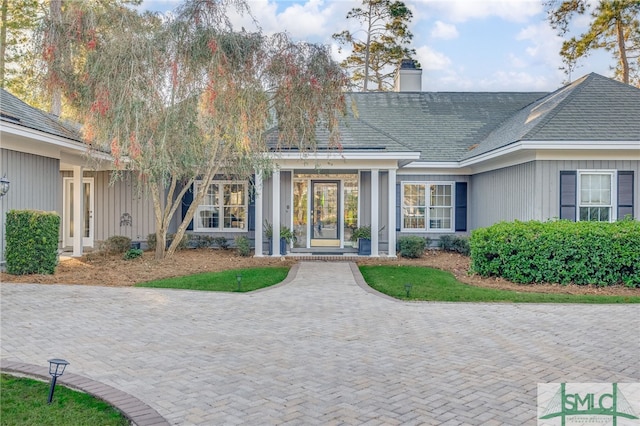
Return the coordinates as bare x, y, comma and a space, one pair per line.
32, 242
559, 252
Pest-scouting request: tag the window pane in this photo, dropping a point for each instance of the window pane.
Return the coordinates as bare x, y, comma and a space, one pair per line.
234, 194
439, 218
440, 195
234, 217
414, 206
600, 214
211, 198
208, 217
595, 189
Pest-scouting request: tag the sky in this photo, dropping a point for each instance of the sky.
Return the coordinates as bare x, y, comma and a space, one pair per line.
462, 45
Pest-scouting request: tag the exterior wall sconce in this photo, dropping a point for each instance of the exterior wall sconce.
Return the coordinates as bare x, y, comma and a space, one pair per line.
56, 369
4, 186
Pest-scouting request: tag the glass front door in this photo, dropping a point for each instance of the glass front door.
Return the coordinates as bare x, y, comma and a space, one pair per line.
325, 214
87, 215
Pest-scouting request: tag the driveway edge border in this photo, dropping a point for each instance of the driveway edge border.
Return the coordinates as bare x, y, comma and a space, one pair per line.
131, 407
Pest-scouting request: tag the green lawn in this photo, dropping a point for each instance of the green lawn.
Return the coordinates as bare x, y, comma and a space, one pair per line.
435, 285
252, 279
24, 402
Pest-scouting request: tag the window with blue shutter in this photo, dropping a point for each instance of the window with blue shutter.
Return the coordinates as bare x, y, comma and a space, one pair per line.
568, 188
625, 194
461, 206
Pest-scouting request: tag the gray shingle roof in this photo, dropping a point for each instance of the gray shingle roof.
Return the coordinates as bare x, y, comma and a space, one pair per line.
13, 110
593, 108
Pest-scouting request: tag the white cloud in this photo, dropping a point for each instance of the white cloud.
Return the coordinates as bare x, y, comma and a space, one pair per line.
444, 31
464, 10
515, 81
544, 45
431, 59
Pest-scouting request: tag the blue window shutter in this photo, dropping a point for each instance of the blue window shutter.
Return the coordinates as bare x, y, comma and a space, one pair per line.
187, 199
461, 206
625, 194
251, 214
398, 207
568, 197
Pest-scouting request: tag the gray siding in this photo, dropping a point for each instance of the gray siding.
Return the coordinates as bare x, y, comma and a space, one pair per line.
504, 194
547, 199
530, 191
433, 236
285, 199
113, 200
34, 184
364, 199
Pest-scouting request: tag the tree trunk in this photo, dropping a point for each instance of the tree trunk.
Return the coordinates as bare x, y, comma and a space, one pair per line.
3, 40
55, 8
367, 52
624, 62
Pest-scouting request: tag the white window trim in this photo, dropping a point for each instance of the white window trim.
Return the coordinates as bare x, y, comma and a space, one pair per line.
220, 183
614, 191
427, 228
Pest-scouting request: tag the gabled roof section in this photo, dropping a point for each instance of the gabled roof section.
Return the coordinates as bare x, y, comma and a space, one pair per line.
593, 108
15, 111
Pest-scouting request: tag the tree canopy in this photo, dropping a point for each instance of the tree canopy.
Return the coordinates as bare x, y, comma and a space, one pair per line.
185, 97
376, 56
614, 26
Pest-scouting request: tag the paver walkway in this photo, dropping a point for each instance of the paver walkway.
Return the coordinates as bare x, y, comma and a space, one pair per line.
319, 350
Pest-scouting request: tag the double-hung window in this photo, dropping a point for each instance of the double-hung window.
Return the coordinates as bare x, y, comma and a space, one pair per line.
224, 207
596, 195
427, 206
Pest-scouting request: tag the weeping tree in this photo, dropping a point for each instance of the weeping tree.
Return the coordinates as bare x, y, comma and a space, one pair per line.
180, 98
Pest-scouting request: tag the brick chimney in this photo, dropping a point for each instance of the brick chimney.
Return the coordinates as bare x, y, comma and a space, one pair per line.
408, 77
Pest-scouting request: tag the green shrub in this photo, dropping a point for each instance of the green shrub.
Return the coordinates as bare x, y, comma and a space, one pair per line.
221, 242
559, 252
151, 241
200, 241
132, 254
31, 242
455, 243
116, 244
412, 246
243, 245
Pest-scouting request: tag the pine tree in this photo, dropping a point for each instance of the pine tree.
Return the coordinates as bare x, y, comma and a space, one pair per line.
376, 58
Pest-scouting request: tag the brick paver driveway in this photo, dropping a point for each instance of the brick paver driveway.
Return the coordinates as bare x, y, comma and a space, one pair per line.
319, 350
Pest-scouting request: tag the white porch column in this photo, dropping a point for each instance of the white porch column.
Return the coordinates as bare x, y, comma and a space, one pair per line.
391, 202
275, 240
258, 215
78, 210
375, 206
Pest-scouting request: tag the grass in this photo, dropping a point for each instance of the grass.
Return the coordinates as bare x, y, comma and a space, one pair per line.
435, 285
24, 402
252, 279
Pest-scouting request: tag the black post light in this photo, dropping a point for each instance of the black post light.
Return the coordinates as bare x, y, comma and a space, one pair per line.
56, 369
239, 279
407, 288
4, 186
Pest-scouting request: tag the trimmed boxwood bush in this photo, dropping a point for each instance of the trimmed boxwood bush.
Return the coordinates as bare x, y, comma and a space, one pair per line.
412, 246
32, 242
455, 243
116, 244
243, 245
559, 252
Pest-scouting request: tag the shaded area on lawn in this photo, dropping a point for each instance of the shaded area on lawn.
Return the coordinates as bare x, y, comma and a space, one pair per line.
435, 285
23, 401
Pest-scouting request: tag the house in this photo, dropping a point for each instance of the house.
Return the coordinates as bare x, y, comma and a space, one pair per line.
411, 163
45, 159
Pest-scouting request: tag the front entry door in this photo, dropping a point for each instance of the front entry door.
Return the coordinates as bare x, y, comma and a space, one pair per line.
325, 214
87, 219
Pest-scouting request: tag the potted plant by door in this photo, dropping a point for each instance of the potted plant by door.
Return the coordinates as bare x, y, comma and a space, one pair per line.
362, 236
287, 236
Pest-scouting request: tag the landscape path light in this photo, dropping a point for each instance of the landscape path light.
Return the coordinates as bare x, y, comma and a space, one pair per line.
239, 279
407, 288
56, 369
